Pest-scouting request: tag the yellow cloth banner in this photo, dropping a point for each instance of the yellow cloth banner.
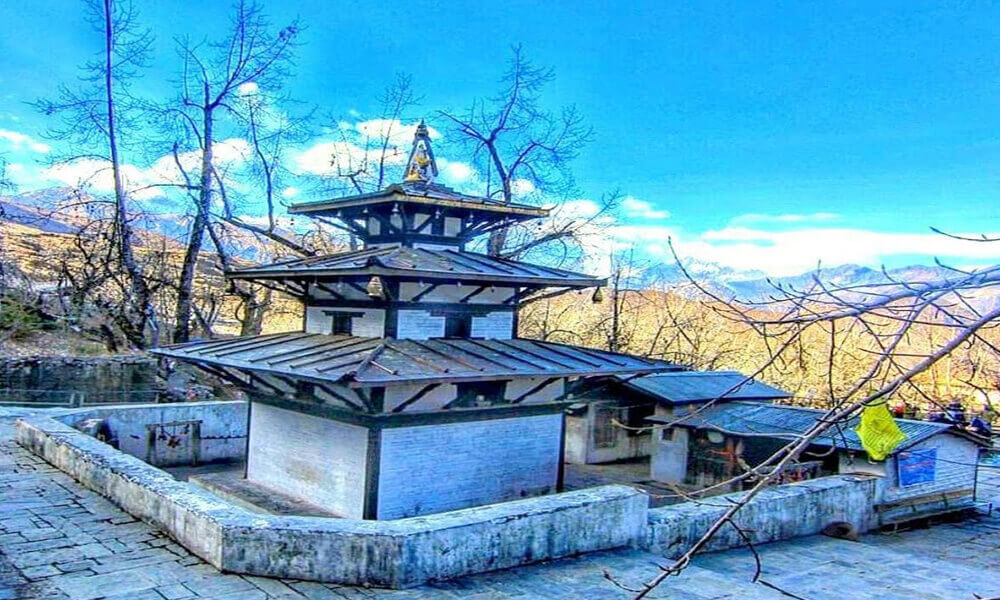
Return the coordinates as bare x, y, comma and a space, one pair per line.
878, 431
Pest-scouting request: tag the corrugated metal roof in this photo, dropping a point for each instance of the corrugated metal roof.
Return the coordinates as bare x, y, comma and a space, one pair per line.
418, 262
787, 422
378, 361
416, 191
686, 387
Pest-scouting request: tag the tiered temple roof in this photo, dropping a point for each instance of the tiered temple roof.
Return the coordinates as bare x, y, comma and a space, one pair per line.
367, 362
427, 310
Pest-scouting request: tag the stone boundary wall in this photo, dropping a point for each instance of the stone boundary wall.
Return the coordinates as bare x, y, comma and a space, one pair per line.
397, 554
77, 380
222, 434
776, 513
408, 552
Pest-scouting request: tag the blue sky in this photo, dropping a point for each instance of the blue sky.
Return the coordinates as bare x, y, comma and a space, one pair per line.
765, 135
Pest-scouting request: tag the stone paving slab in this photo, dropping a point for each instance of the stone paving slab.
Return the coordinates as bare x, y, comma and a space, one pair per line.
59, 541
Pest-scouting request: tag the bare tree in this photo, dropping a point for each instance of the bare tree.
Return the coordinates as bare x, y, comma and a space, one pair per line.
251, 57
91, 118
368, 155
526, 149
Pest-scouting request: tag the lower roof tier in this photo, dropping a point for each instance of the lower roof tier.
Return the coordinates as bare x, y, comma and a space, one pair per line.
372, 362
418, 264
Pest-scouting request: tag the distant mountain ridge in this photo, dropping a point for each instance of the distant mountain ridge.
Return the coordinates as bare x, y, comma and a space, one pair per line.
755, 286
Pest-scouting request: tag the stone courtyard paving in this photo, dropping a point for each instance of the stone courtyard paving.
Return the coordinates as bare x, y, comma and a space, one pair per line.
61, 541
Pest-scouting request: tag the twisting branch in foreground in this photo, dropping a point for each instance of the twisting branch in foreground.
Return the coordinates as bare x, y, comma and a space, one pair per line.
887, 317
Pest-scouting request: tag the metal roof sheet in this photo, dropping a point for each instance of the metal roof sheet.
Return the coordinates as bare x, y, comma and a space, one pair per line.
787, 422
686, 387
418, 262
418, 191
380, 361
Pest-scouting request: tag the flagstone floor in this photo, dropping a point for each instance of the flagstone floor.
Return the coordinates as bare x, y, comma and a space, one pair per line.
60, 541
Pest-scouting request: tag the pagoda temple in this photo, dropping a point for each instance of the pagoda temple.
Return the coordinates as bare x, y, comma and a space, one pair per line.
408, 391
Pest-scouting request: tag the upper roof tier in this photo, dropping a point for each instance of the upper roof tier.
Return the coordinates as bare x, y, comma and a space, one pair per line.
419, 209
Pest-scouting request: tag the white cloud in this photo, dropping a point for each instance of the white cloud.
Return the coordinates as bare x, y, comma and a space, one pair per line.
399, 133
360, 146
248, 89
281, 222
289, 192
97, 173
522, 187
778, 253
332, 158
20, 141
797, 251
455, 172
640, 209
757, 218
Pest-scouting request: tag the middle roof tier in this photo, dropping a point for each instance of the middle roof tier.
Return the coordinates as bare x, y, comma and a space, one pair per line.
417, 264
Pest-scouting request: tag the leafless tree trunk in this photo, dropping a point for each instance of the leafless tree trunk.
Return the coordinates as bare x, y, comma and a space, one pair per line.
91, 120
251, 55
139, 304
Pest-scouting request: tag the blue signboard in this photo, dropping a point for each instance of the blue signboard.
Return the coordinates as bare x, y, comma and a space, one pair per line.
916, 466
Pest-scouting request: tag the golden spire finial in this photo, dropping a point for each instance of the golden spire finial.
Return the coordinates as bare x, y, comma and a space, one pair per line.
421, 167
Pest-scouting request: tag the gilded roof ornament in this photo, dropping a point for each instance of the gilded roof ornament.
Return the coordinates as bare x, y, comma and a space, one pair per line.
421, 167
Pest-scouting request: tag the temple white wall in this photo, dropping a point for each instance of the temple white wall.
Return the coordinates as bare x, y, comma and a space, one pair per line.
668, 462
517, 387
495, 325
454, 293
423, 324
345, 290
452, 225
318, 460
434, 399
419, 325
434, 468
370, 323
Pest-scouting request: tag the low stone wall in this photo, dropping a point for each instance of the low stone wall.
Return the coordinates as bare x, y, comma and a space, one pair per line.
777, 513
401, 553
221, 435
77, 380
409, 552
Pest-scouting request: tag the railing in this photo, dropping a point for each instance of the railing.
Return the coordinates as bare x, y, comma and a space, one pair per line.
49, 398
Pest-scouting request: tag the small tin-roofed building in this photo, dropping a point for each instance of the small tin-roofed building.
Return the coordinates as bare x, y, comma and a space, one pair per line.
593, 437
932, 471
689, 387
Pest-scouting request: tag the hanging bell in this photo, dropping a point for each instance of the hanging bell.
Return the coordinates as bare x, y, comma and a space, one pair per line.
374, 288
598, 296
395, 208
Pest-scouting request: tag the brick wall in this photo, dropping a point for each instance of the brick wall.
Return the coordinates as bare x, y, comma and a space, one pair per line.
318, 460
435, 468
